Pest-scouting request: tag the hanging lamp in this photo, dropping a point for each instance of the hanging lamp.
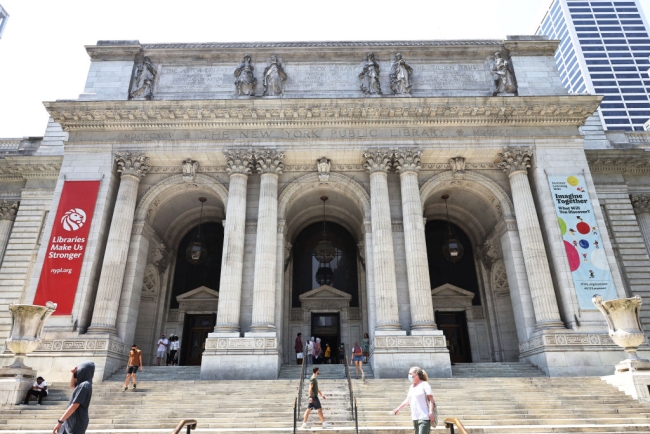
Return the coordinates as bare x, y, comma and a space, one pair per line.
324, 252
453, 249
197, 251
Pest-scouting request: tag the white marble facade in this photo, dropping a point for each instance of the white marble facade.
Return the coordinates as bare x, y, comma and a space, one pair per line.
160, 141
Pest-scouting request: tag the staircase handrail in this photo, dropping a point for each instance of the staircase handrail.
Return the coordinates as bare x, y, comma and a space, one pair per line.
297, 401
352, 399
190, 423
451, 421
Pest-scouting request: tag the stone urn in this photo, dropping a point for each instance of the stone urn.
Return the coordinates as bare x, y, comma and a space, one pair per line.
622, 316
26, 327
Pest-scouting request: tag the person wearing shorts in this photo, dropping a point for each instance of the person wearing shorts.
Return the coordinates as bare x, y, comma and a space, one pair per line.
161, 354
135, 362
357, 358
314, 402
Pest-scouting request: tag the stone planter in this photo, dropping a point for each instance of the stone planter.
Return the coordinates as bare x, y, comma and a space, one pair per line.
622, 316
26, 327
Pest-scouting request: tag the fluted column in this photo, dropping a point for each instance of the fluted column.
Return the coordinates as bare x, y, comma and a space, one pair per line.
378, 162
239, 166
132, 167
269, 164
407, 164
8, 212
515, 162
641, 205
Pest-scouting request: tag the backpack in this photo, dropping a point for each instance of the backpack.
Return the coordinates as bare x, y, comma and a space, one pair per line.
357, 350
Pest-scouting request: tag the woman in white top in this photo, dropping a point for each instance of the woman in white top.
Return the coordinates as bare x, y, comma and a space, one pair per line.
310, 352
420, 398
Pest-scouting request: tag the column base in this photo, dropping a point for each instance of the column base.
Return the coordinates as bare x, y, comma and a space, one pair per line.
569, 354
14, 385
228, 330
392, 355
254, 357
101, 330
635, 384
549, 325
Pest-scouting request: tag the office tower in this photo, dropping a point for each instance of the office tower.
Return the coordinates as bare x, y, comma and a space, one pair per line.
4, 16
604, 50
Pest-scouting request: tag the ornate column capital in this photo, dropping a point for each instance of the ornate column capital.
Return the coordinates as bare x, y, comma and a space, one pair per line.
513, 160
377, 160
8, 210
640, 203
407, 160
133, 164
269, 161
239, 162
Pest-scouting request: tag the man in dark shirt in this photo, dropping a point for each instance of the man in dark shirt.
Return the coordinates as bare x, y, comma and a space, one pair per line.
75, 419
314, 402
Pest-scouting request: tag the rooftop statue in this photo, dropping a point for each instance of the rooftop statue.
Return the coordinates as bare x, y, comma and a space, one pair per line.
274, 77
245, 81
400, 77
144, 76
504, 77
370, 77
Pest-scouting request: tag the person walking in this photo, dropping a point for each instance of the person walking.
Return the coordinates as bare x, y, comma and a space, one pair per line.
39, 390
328, 354
314, 402
365, 346
317, 352
135, 362
297, 346
310, 352
357, 358
75, 419
173, 344
175, 348
342, 354
161, 354
420, 398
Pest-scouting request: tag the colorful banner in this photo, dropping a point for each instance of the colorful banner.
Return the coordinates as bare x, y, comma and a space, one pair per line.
67, 245
582, 241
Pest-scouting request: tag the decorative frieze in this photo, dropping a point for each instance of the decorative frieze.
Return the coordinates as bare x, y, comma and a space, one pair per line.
229, 344
615, 161
408, 342
563, 341
73, 345
8, 210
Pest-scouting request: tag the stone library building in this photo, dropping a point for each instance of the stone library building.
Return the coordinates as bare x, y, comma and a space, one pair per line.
451, 199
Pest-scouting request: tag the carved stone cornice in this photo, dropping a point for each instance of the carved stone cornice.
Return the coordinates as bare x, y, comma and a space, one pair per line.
408, 160
239, 162
632, 161
377, 160
640, 203
268, 161
30, 167
132, 164
8, 210
439, 111
513, 160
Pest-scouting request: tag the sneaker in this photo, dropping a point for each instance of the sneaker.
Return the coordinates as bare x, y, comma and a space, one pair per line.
38, 404
304, 426
125, 388
326, 424
134, 386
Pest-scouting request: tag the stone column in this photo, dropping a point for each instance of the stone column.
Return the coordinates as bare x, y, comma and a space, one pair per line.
269, 164
240, 164
8, 212
132, 167
515, 162
378, 162
407, 163
641, 205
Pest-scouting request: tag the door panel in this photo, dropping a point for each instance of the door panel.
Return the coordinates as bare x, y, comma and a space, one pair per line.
196, 332
454, 327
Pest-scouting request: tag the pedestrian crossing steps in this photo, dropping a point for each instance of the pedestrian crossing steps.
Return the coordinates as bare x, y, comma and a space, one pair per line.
484, 405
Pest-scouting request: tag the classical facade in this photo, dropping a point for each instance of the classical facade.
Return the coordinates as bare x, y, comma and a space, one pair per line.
448, 198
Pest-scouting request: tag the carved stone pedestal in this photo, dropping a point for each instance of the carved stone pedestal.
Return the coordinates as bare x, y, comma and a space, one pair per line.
392, 356
235, 358
13, 388
635, 384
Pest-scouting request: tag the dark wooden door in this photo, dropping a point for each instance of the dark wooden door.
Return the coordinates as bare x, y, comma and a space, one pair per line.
195, 333
454, 326
326, 327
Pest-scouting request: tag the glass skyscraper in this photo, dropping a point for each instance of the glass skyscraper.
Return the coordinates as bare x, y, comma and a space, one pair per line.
604, 50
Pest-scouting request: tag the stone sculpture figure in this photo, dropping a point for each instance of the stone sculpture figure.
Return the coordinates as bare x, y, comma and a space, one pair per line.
190, 167
324, 165
504, 77
370, 77
245, 81
274, 77
400, 77
144, 76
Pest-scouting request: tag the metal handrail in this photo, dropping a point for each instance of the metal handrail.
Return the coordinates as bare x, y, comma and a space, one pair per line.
298, 400
356, 416
352, 399
191, 424
451, 421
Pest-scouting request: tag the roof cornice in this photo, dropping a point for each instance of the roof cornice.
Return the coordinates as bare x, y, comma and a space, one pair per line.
30, 167
632, 161
485, 111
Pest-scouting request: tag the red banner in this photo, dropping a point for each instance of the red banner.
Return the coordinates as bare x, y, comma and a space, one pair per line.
67, 245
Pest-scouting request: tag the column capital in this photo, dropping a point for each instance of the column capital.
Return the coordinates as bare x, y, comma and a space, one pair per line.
239, 161
269, 161
377, 160
133, 164
513, 160
640, 203
8, 210
407, 160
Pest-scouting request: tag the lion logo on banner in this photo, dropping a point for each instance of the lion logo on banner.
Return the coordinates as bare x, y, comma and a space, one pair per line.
73, 219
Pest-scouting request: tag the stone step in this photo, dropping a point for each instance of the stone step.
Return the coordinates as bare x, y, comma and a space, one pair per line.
497, 369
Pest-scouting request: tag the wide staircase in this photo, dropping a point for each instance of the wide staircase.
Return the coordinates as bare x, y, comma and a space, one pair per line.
327, 372
489, 404
499, 369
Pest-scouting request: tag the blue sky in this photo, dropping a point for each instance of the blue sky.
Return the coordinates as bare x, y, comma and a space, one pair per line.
42, 53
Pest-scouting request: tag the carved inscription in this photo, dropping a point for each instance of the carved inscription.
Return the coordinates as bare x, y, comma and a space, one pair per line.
181, 79
453, 76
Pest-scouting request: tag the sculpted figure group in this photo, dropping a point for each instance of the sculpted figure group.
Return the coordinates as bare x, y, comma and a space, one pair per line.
274, 77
